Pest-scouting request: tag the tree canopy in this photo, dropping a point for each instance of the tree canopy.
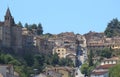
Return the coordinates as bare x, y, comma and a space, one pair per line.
114, 71
90, 56
85, 69
24, 65
37, 27
20, 24
107, 53
113, 28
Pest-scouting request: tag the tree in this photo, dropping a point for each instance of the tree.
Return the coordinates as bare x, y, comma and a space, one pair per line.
14, 62
29, 59
26, 25
106, 53
62, 62
48, 35
113, 28
69, 62
85, 69
114, 71
33, 26
65, 62
39, 61
90, 56
8, 58
2, 58
55, 59
20, 24
39, 29
40, 58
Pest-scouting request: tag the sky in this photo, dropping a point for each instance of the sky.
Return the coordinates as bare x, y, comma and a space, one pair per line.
56, 16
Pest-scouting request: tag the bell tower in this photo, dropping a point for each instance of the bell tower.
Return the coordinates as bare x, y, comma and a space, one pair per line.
9, 21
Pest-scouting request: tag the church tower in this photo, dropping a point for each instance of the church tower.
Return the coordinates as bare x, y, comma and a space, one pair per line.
6, 29
9, 20
12, 33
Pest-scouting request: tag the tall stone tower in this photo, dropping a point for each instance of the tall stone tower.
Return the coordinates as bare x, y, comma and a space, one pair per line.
10, 33
9, 20
6, 29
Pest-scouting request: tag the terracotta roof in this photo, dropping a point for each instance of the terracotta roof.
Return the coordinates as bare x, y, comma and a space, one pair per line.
61, 68
106, 66
99, 73
113, 58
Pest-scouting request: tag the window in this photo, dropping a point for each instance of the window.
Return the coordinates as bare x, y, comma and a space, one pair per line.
76, 73
58, 50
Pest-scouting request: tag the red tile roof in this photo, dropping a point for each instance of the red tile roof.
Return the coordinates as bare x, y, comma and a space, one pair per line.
106, 66
99, 73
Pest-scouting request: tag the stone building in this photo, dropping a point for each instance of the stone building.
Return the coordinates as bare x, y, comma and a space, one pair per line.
102, 70
43, 44
10, 33
27, 38
8, 71
61, 51
60, 71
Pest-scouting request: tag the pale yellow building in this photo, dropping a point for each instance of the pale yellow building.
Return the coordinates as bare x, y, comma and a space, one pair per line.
115, 46
61, 51
25, 31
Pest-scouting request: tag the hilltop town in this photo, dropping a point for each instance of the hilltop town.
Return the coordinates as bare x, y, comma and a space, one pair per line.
25, 51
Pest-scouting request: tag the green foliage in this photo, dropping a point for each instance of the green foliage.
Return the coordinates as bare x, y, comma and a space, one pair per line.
47, 35
39, 61
65, 62
33, 26
113, 28
14, 62
39, 29
55, 59
24, 65
85, 69
114, 71
20, 24
26, 25
36, 27
29, 59
90, 56
107, 53
9, 59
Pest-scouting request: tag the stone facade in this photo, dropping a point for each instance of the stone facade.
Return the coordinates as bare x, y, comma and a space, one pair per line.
102, 69
8, 71
61, 51
10, 33
60, 71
